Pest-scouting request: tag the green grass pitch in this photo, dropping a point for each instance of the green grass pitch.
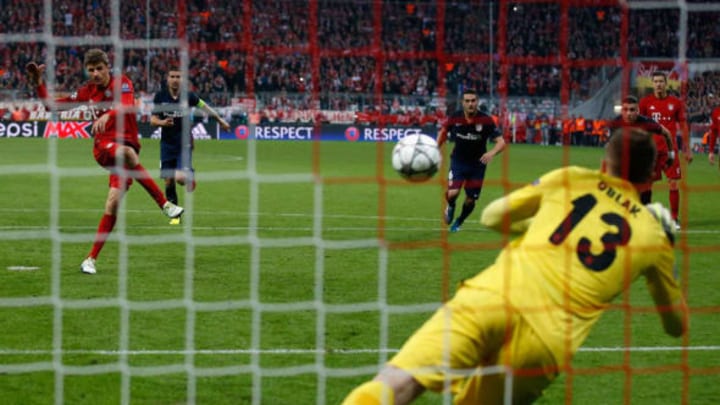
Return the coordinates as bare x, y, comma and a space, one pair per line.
292, 259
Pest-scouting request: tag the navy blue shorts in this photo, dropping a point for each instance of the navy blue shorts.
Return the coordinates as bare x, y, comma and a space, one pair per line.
468, 175
172, 160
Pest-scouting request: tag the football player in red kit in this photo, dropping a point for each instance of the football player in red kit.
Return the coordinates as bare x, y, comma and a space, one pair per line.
116, 146
669, 111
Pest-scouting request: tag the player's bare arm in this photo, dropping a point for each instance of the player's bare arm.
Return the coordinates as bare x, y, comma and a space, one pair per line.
442, 136
100, 124
35, 73
35, 78
488, 156
156, 121
668, 140
202, 104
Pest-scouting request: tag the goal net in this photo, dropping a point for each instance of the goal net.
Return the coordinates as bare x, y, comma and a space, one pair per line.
303, 261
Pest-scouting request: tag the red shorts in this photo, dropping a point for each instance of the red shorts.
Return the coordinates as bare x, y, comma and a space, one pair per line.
104, 153
671, 172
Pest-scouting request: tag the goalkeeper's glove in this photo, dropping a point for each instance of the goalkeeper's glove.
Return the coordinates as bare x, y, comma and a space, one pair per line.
665, 218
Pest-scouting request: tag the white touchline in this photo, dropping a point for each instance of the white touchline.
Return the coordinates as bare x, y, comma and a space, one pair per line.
23, 268
327, 351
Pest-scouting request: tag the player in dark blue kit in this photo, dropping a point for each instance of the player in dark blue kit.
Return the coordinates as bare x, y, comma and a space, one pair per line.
176, 161
470, 129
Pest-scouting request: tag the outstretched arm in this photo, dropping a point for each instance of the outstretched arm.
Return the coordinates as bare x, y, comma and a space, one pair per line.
662, 278
499, 147
35, 74
35, 79
211, 111
671, 306
514, 212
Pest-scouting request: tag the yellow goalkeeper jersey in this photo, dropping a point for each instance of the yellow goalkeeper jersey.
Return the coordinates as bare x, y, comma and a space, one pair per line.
587, 237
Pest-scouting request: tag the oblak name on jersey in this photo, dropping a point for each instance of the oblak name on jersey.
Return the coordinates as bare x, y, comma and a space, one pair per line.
617, 196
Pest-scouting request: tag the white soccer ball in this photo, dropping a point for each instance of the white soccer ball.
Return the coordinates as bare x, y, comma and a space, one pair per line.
416, 157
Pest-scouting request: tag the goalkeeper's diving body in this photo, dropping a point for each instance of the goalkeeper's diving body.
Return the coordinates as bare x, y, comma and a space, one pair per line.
116, 146
584, 236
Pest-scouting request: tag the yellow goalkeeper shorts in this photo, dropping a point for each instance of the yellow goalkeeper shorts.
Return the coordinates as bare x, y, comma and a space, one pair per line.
470, 343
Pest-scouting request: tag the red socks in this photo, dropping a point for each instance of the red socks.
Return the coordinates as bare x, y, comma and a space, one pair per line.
674, 203
107, 223
146, 180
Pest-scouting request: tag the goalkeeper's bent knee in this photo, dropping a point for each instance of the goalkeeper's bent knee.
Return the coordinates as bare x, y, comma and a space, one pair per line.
371, 393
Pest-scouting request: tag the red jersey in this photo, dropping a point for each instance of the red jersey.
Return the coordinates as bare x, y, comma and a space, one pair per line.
92, 93
668, 111
714, 127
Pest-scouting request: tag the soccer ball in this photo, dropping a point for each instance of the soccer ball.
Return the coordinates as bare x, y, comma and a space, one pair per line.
416, 157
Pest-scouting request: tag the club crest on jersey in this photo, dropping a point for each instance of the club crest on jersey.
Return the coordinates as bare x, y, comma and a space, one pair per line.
670, 107
107, 94
478, 127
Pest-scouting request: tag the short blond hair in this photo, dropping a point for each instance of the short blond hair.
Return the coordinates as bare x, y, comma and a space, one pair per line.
95, 56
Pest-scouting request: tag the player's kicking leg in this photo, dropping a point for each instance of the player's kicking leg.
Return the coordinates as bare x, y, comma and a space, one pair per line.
106, 154
107, 221
88, 266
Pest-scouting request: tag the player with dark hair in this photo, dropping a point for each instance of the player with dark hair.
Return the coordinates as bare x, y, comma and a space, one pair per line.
584, 237
669, 111
470, 129
630, 118
175, 150
116, 146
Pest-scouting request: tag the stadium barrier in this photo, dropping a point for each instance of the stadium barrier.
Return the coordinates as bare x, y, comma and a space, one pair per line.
209, 129
239, 131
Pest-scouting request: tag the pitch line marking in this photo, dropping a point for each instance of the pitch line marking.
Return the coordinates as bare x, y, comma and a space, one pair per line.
8, 352
23, 268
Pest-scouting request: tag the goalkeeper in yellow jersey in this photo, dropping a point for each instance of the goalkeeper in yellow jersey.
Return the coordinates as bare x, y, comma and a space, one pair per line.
508, 331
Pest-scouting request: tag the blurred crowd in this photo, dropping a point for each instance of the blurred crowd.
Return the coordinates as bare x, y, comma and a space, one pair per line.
287, 55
